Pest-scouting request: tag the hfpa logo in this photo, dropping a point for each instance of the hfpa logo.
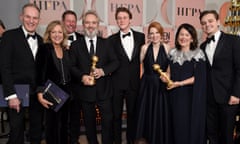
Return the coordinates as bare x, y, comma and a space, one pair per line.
51, 5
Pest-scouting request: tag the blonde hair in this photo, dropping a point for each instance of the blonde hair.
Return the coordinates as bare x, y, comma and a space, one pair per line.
50, 27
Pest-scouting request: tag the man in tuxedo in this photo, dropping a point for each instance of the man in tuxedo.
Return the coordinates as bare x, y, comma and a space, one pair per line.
126, 44
223, 70
18, 50
69, 19
100, 93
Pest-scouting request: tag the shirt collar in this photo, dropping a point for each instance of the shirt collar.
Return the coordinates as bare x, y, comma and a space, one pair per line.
122, 33
94, 38
26, 32
217, 35
71, 34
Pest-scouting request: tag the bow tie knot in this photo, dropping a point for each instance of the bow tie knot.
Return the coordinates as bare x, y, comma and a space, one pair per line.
70, 38
209, 39
127, 34
33, 36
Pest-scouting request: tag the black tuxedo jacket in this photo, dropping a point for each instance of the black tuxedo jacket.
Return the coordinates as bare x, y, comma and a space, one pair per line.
224, 74
78, 35
81, 65
17, 61
128, 73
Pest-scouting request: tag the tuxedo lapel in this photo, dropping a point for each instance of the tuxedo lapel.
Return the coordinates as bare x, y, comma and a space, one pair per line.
99, 47
203, 47
25, 42
85, 48
219, 46
134, 53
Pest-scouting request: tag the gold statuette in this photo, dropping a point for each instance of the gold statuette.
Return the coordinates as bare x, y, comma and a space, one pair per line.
157, 68
93, 67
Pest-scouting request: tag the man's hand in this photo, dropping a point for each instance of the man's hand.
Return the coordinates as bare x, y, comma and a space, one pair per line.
233, 100
98, 72
87, 80
14, 103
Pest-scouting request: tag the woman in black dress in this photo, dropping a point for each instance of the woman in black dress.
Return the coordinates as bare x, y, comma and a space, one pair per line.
152, 119
187, 94
53, 63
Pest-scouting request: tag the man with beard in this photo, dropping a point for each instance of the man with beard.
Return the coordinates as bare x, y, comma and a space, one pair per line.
89, 94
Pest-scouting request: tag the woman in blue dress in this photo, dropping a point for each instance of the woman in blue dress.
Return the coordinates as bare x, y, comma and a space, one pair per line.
152, 119
187, 94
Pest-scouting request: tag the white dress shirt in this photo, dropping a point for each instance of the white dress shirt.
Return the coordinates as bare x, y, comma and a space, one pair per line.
87, 39
33, 43
211, 47
127, 43
74, 38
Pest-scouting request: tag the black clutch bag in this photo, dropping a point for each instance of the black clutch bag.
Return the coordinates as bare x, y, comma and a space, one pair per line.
55, 95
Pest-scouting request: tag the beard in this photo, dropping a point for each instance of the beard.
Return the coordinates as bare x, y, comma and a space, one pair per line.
90, 34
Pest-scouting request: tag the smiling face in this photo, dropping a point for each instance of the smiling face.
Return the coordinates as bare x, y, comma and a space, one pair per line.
154, 35
184, 39
70, 23
30, 18
90, 25
56, 35
210, 25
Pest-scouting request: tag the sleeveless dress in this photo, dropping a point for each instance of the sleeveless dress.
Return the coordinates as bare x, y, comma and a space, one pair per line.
152, 107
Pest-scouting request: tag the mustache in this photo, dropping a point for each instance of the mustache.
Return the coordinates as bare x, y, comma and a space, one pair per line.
90, 34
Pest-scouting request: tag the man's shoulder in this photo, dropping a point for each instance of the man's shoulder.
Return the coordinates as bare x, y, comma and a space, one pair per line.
13, 31
138, 33
78, 35
114, 35
79, 40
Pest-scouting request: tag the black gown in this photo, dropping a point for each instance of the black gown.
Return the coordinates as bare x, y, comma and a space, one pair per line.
188, 103
152, 119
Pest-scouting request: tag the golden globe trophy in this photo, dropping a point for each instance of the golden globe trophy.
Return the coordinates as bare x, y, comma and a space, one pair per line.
93, 67
157, 68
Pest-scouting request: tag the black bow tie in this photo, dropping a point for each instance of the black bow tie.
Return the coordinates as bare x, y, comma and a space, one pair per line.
70, 37
30, 35
127, 34
209, 39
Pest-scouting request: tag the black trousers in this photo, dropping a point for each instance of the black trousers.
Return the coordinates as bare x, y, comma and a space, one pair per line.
75, 111
17, 123
118, 98
220, 122
89, 114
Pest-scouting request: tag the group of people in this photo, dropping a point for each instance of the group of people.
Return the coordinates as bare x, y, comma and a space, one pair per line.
199, 103
197, 98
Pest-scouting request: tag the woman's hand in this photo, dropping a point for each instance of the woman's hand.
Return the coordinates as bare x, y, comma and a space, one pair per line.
163, 79
175, 85
43, 101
